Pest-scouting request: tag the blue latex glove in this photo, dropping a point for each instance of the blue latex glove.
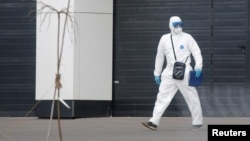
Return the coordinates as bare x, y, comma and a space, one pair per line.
197, 72
157, 80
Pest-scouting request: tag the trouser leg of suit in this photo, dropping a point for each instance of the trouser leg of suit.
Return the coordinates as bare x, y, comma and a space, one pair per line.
191, 97
167, 91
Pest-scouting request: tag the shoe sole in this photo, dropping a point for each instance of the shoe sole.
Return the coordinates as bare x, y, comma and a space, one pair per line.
149, 127
198, 128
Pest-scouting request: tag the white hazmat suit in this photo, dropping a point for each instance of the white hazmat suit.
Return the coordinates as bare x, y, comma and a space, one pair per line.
184, 45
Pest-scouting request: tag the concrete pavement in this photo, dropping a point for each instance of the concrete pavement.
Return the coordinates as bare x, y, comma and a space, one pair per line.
107, 129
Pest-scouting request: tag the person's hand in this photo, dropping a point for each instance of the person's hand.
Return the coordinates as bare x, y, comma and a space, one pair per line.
197, 72
157, 80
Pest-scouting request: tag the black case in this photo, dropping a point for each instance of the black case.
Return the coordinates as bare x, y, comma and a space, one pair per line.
179, 70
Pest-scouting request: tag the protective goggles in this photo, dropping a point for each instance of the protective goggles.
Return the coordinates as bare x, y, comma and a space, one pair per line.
178, 24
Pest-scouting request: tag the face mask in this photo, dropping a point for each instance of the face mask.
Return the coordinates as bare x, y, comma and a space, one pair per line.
177, 30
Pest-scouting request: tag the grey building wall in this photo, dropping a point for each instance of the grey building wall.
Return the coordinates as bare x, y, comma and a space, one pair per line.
221, 28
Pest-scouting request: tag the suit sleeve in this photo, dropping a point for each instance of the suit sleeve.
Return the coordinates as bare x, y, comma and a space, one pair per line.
159, 59
196, 52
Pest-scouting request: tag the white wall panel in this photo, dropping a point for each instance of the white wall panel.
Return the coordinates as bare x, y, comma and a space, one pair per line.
46, 60
57, 4
95, 36
87, 60
94, 6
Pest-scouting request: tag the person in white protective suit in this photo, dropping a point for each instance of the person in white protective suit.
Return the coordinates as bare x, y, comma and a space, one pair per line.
184, 45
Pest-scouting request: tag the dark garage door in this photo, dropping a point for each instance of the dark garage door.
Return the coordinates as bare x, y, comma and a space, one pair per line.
221, 28
17, 57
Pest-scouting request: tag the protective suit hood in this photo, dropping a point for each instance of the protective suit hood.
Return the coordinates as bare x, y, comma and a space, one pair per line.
175, 20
